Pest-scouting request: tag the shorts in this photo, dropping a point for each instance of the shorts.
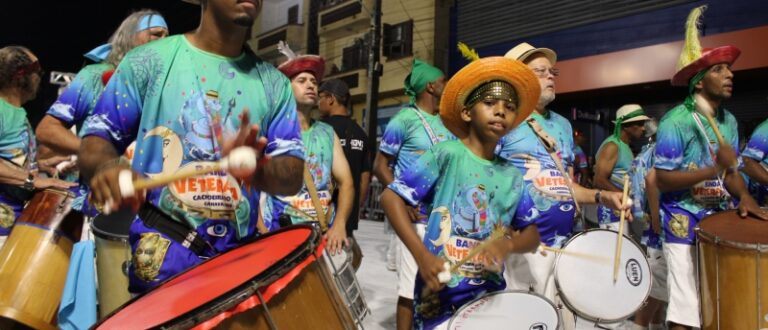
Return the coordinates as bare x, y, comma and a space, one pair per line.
658, 266
683, 305
407, 267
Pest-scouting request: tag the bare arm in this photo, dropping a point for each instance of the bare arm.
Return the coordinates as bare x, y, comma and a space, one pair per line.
343, 177
652, 194
12, 175
381, 168
281, 175
747, 205
679, 180
608, 156
54, 134
755, 171
94, 151
365, 182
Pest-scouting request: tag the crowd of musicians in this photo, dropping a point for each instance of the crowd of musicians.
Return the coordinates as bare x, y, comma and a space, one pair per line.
473, 157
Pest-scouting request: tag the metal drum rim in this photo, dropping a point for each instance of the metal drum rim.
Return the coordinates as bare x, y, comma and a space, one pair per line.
703, 235
570, 305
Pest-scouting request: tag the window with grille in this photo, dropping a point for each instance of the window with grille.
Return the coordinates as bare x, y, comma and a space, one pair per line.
356, 56
398, 40
293, 15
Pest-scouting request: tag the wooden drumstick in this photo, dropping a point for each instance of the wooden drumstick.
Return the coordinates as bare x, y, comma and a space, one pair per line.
241, 162
706, 110
575, 254
617, 256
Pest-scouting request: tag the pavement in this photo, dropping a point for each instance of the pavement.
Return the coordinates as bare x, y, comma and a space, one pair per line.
379, 284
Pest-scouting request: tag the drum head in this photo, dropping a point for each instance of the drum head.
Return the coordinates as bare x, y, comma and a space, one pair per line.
584, 276
729, 226
221, 281
507, 310
114, 226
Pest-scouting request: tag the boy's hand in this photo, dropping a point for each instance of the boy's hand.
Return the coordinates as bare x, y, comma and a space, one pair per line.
429, 268
495, 253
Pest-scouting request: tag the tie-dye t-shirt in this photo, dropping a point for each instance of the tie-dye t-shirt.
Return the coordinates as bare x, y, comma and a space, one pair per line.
318, 157
17, 148
547, 201
623, 164
72, 107
406, 138
579, 161
641, 165
682, 146
468, 197
757, 149
168, 96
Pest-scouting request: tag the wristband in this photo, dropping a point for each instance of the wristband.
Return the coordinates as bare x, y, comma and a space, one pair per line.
597, 196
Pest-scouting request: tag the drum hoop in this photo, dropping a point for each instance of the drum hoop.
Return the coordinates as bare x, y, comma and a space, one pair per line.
576, 310
467, 305
107, 235
717, 241
232, 298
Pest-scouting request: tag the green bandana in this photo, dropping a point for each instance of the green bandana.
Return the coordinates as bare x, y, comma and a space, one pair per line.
695, 80
620, 121
421, 75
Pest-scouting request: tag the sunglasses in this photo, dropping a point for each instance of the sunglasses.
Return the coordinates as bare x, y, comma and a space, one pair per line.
30, 68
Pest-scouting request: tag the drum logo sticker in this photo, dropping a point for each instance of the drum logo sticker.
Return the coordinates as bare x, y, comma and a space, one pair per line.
634, 272
538, 326
149, 255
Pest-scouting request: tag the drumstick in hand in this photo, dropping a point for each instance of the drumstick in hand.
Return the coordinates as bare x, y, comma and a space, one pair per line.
241, 162
617, 257
706, 110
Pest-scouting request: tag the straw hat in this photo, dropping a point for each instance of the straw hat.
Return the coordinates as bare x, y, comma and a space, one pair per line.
693, 58
635, 109
479, 72
523, 51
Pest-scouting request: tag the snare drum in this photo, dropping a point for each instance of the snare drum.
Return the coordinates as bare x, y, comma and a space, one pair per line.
507, 310
113, 255
584, 276
733, 268
35, 259
275, 281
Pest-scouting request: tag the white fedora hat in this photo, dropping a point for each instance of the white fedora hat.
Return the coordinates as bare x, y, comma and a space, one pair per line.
629, 113
524, 50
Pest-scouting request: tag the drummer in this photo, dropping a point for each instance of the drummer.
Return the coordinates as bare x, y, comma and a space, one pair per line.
410, 133
614, 159
553, 213
472, 191
77, 101
690, 166
187, 100
20, 76
755, 158
324, 159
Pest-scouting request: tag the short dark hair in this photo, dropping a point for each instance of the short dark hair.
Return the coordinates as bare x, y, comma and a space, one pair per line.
13, 59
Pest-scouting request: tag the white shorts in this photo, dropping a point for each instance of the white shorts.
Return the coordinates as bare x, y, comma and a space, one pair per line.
683, 288
407, 267
658, 265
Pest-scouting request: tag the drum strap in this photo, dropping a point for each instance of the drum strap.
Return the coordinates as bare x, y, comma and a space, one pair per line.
177, 231
551, 146
321, 216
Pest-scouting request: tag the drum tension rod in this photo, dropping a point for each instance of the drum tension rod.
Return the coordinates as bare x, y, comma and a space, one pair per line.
267, 314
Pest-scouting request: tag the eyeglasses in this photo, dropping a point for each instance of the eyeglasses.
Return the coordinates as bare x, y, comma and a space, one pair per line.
30, 68
542, 72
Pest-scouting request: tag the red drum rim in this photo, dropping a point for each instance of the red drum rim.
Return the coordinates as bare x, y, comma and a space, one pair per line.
271, 262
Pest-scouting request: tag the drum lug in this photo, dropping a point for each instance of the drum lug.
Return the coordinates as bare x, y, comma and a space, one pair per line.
125, 266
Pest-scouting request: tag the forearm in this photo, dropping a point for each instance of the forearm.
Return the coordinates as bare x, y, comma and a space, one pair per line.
527, 240
344, 203
755, 172
735, 185
52, 133
604, 183
365, 182
680, 180
584, 195
282, 175
94, 152
382, 170
395, 209
12, 175
652, 193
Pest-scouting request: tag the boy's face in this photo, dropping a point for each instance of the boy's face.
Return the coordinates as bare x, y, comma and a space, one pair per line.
490, 118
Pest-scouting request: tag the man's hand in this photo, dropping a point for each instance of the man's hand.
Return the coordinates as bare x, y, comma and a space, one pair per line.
48, 165
43, 183
337, 239
612, 199
429, 266
747, 205
105, 189
414, 214
726, 157
247, 135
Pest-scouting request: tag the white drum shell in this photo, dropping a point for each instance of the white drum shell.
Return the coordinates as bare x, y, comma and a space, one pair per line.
507, 310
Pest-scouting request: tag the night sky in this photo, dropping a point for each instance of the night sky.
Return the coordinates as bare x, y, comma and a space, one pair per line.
60, 32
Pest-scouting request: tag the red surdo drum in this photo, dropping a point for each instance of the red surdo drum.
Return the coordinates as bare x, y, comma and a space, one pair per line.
733, 270
279, 281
